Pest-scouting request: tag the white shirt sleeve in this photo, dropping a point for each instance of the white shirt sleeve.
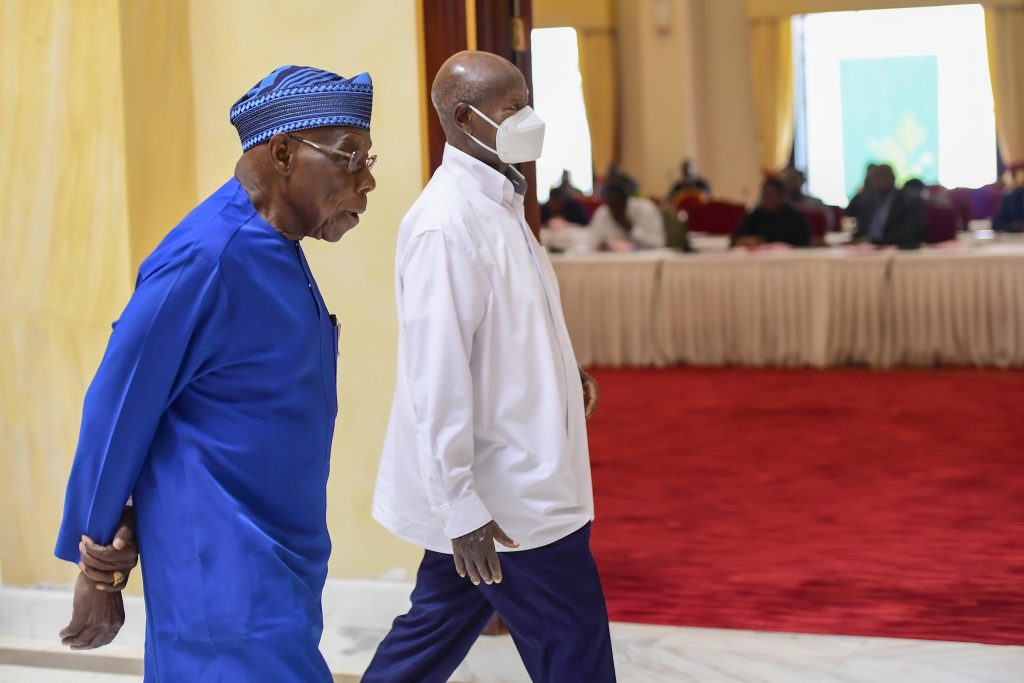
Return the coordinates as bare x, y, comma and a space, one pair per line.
603, 227
648, 225
444, 298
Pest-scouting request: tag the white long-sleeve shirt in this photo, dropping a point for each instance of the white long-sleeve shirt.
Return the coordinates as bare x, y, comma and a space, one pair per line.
648, 224
487, 420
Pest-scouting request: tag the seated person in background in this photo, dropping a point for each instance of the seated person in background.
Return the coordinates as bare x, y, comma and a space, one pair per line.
793, 180
887, 216
689, 180
916, 186
1010, 217
561, 204
567, 187
773, 220
616, 176
624, 221
854, 205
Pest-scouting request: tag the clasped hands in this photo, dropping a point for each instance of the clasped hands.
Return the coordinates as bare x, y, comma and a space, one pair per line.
98, 611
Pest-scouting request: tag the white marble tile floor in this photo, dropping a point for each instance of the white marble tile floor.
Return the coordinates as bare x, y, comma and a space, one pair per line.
357, 615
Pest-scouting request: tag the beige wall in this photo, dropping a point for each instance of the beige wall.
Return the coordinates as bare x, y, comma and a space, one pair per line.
580, 14
113, 124
159, 132
64, 266
658, 81
730, 158
683, 92
687, 92
234, 44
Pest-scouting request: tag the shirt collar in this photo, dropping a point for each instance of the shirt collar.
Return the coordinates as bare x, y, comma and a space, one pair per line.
503, 189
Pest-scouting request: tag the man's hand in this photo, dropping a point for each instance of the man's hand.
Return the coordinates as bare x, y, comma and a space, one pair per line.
108, 566
95, 618
476, 555
749, 241
589, 393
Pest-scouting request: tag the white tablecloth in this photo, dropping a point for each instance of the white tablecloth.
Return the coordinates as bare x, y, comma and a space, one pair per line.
610, 310
958, 307
797, 308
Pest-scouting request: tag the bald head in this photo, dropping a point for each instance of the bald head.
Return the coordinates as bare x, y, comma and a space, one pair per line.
482, 79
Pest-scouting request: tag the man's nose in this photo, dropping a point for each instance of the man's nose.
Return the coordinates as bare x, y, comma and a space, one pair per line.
366, 182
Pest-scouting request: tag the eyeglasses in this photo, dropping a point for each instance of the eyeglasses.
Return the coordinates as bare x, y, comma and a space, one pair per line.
357, 161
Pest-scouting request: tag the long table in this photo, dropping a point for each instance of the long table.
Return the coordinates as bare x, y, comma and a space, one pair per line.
813, 308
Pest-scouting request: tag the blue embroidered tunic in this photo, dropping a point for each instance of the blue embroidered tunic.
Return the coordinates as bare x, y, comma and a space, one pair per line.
214, 407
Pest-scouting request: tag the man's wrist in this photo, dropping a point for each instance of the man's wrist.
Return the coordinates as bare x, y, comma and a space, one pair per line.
465, 516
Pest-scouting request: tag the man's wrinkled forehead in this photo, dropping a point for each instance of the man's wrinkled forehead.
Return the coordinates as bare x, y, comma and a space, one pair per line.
508, 89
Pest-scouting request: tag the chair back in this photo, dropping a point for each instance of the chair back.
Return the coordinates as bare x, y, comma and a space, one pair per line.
685, 200
942, 224
716, 217
818, 222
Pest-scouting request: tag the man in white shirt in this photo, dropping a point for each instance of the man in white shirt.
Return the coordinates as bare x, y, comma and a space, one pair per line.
487, 440
630, 221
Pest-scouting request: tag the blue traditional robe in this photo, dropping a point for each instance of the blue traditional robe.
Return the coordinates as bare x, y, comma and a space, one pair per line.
214, 407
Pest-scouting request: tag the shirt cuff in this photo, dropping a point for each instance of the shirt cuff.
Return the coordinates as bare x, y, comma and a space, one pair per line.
463, 516
67, 547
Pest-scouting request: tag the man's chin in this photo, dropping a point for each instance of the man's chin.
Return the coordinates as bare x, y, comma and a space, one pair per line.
336, 229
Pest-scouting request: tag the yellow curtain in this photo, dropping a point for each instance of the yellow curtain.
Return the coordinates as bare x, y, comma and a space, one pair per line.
600, 93
771, 56
64, 267
1004, 27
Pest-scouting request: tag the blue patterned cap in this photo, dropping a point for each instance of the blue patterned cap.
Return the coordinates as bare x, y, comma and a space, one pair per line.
297, 97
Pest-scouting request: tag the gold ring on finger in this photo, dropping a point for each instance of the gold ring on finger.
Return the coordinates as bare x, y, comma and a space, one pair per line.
118, 579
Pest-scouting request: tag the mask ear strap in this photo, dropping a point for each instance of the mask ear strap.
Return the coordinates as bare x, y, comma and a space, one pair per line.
482, 115
489, 149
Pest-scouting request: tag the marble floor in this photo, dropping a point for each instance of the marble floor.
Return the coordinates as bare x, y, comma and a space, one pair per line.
643, 654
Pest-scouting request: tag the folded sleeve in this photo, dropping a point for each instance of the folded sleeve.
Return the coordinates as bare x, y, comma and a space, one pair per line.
169, 330
444, 295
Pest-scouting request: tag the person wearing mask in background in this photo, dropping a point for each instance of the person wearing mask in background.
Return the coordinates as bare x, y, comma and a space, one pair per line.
624, 221
487, 440
888, 216
689, 180
773, 221
214, 406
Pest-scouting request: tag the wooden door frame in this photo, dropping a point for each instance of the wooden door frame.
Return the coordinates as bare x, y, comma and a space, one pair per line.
449, 26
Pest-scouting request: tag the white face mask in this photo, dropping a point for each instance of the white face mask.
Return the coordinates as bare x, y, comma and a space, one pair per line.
520, 137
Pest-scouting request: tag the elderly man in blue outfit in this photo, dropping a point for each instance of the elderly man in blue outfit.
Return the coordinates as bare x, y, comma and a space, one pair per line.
487, 442
213, 408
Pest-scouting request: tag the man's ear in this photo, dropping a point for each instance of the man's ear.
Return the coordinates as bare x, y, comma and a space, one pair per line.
282, 150
462, 115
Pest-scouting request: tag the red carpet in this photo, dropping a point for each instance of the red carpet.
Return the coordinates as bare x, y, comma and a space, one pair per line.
846, 502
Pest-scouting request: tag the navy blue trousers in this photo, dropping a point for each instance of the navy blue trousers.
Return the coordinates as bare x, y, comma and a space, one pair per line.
550, 597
